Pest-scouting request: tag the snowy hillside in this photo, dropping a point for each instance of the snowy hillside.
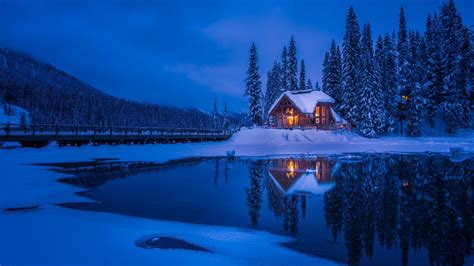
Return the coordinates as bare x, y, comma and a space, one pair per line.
266, 136
13, 114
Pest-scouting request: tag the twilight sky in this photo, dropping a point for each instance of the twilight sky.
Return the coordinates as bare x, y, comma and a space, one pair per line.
187, 52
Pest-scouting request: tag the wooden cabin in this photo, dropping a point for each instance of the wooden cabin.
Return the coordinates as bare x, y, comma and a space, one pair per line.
305, 109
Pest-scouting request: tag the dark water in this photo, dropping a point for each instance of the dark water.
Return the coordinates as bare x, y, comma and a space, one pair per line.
367, 209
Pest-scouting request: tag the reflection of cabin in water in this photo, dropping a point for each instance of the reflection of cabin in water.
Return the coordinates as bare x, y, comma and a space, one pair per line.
303, 176
312, 109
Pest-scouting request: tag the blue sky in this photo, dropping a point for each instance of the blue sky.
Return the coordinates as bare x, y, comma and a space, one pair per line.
185, 53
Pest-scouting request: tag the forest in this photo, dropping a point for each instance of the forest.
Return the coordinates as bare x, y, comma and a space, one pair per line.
52, 96
406, 82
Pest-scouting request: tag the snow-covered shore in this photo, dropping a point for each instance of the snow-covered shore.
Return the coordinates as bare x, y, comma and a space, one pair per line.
23, 184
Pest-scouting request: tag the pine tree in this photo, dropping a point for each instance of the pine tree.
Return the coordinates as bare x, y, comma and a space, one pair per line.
225, 117
309, 85
350, 67
292, 66
317, 87
415, 102
333, 76
284, 71
379, 85
325, 74
389, 85
403, 56
254, 90
273, 89
366, 107
464, 72
433, 85
451, 28
215, 115
302, 76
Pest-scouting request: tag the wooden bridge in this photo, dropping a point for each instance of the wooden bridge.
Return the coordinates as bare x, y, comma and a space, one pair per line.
39, 135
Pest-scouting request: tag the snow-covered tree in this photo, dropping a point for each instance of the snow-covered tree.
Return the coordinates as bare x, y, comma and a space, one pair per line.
451, 42
333, 77
273, 89
254, 89
433, 85
309, 85
389, 83
366, 107
379, 86
284, 71
325, 73
403, 56
225, 117
215, 115
317, 87
302, 76
292, 66
350, 67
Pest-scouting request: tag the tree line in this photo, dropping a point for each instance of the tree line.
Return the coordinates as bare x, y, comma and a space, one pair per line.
406, 83
54, 97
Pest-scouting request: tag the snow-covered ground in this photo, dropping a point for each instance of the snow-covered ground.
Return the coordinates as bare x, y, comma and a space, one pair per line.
14, 115
94, 238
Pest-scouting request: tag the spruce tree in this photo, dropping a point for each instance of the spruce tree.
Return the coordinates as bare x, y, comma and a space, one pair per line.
390, 82
325, 74
380, 85
273, 89
433, 85
225, 117
414, 108
403, 55
215, 115
333, 76
309, 85
451, 38
253, 89
464, 72
302, 76
284, 70
350, 67
366, 107
317, 87
292, 66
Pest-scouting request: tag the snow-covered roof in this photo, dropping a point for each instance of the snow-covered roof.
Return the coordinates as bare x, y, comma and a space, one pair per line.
306, 183
337, 117
306, 101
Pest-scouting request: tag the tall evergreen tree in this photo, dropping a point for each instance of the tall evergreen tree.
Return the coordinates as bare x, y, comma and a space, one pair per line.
302, 76
225, 117
284, 70
380, 74
451, 28
254, 89
403, 55
317, 87
367, 105
215, 115
433, 85
292, 66
464, 73
389, 85
332, 73
309, 85
325, 73
350, 67
273, 89
416, 102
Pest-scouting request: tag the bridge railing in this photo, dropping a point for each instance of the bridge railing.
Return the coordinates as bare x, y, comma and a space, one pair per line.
61, 130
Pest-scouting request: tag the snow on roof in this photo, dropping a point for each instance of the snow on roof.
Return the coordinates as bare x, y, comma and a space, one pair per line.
308, 184
306, 101
337, 117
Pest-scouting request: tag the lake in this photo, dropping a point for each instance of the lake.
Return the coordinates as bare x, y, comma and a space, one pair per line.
368, 209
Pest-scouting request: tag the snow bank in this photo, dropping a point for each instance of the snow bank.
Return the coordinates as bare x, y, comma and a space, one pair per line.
15, 114
266, 136
57, 236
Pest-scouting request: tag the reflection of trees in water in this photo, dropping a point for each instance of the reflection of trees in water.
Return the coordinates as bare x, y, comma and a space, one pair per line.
409, 202
254, 191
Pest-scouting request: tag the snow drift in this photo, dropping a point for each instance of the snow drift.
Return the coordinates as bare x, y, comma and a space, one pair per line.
260, 136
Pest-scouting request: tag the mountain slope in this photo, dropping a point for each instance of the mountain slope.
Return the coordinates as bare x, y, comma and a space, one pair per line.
53, 96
